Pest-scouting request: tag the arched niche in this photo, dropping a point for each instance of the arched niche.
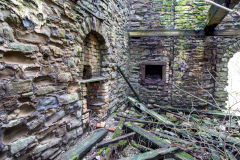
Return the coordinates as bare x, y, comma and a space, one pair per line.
93, 54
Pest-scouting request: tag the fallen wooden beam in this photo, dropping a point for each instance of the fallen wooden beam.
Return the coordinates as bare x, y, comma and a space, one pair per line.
78, 151
175, 139
129, 84
140, 147
154, 123
107, 142
209, 112
217, 14
148, 111
152, 154
147, 135
184, 156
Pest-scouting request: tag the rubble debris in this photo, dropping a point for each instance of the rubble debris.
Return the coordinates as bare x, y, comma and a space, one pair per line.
107, 142
169, 133
152, 154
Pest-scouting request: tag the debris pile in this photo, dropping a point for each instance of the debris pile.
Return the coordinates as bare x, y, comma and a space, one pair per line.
157, 132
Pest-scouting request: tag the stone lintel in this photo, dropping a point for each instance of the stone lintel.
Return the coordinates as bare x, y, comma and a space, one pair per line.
176, 33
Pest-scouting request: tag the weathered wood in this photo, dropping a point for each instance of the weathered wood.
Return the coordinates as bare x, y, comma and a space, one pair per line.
223, 136
147, 135
140, 147
217, 14
107, 142
184, 156
171, 138
153, 123
209, 112
118, 132
148, 111
78, 151
125, 78
155, 154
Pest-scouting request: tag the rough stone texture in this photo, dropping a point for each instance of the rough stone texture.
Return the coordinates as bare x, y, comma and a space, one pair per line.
168, 14
47, 48
44, 46
187, 60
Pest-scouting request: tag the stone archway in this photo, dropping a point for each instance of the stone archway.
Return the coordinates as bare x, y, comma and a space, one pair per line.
233, 87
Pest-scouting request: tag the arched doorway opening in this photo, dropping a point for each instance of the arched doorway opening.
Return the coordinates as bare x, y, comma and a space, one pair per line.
233, 87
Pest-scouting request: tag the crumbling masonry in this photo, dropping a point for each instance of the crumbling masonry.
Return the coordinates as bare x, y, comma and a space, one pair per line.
58, 64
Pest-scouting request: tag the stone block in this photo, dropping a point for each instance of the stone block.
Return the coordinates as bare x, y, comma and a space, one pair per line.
45, 90
59, 115
19, 87
64, 77
36, 122
47, 103
24, 48
68, 98
21, 144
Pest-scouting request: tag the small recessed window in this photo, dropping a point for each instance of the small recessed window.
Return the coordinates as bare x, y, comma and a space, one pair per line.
153, 73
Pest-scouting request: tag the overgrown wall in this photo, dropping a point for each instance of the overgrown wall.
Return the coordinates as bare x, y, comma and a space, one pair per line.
41, 63
168, 14
195, 64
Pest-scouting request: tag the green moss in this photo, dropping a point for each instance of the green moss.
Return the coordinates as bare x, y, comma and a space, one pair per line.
107, 150
74, 157
118, 130
101, 150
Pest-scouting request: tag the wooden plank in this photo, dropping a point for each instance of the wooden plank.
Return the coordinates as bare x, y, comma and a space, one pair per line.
209, 112
147, 135
107, 142
223, 136
78, 151
172, 138
216, 14
152, 154
148, 111
184, 156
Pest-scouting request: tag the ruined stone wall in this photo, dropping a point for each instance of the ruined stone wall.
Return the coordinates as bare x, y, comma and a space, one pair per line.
168, 14
43, 49
190, 61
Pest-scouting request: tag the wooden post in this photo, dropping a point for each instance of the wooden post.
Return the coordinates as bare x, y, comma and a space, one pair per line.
125, 78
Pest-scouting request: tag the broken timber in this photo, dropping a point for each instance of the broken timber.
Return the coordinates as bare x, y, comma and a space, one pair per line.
148, 111
107, 142
125, 78
152, 154
217, 14
149, 136
82, 148
209, 112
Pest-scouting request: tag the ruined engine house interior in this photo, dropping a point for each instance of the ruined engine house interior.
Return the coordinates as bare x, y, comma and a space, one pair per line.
67, 66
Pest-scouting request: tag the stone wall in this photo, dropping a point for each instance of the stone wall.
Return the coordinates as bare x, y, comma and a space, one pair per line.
168, 14
43, 49
189, 63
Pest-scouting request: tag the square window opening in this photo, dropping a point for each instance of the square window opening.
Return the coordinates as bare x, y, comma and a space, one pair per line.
153, 73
